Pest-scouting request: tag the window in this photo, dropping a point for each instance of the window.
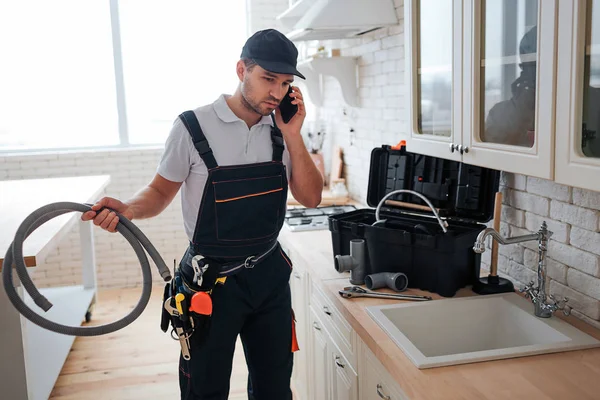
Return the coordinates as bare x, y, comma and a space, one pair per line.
177, 56
56, 77
64, 76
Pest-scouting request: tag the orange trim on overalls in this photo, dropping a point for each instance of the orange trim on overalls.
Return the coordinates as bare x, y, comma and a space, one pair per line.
250, 195
295, 346
285, 258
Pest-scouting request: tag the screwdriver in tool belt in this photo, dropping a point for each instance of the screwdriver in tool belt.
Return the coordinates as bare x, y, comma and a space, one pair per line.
179, 298
183, 308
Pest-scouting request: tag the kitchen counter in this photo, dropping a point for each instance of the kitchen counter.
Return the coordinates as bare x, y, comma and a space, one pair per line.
560, 376
32, 357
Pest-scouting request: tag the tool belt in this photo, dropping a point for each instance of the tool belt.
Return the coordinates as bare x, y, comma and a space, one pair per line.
187, 303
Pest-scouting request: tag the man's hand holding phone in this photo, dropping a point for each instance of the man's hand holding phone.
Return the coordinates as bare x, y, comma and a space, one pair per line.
291, 112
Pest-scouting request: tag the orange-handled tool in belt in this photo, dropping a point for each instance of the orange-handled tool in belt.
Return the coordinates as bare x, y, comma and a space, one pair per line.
201, 303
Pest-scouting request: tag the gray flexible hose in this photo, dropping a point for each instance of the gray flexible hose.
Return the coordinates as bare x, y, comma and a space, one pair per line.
14, 258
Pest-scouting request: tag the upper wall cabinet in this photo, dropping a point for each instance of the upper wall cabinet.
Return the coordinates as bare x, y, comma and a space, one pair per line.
578, 94
481, 77
509, 75
433, 53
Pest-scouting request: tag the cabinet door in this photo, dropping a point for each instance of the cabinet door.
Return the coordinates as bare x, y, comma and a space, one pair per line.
433, 55
300, 305
578, 92
509, 75
375, 383
319, 371
344, 382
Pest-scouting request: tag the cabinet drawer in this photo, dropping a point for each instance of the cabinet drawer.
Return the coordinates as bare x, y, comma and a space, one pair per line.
375, 381
344, 379
341, 332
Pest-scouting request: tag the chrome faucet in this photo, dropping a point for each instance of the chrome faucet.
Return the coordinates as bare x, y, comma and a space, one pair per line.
536, 294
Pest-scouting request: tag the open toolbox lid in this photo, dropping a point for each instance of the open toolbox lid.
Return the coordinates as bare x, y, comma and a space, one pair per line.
459, 191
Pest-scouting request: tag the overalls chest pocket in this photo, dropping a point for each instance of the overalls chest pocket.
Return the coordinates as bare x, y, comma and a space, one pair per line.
248, 208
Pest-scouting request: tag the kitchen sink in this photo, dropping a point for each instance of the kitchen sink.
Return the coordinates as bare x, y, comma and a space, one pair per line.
471, 329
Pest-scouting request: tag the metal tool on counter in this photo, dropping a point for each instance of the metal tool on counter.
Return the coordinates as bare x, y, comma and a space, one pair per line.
350, 292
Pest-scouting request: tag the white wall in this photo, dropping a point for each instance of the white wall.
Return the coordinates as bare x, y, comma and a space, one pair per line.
573, 214
262, 13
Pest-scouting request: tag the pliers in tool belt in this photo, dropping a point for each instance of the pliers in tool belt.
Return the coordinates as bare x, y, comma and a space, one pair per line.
199, 270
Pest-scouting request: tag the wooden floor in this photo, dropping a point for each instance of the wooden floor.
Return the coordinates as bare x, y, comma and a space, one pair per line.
137, 362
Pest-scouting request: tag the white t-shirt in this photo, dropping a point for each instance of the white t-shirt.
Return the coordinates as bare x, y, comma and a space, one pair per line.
232, 143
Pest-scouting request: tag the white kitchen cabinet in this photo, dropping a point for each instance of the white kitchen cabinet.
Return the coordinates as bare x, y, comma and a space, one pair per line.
333, 363
578, 94
481, 77
332, 377
299, 291
344, 382
433, 54
335, 323
319, 379
375, 383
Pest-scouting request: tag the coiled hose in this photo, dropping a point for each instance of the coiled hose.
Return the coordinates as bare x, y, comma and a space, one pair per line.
14, 258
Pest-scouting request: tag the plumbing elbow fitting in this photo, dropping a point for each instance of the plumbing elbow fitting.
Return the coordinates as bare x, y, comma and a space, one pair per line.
396, 281
355, 262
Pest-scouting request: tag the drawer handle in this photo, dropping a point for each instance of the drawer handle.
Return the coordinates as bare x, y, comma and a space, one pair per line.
337, 361
326, 310
297, 275
380, 392
316, 326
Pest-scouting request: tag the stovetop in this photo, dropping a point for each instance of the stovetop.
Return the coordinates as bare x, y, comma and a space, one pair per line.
309, 219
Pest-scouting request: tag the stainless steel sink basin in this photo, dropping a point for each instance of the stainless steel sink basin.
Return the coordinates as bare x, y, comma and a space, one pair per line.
471, 329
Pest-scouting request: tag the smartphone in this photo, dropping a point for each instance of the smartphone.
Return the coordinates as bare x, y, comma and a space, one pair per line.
286, 108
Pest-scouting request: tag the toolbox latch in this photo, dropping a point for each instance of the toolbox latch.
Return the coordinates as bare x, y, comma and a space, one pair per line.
400, 146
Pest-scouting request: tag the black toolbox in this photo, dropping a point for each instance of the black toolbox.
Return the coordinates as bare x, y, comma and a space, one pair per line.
412, 241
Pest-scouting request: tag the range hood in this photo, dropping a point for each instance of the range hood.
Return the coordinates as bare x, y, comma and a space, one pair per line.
336, 19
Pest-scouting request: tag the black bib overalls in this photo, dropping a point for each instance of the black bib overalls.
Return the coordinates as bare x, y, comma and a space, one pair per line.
240, 216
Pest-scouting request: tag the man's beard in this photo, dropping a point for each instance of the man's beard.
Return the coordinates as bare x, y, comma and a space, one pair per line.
252, 105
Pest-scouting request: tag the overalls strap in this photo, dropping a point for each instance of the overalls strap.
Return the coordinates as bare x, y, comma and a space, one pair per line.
193, 126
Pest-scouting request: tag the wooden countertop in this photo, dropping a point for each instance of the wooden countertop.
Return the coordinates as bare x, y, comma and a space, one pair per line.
19, 198
560, 376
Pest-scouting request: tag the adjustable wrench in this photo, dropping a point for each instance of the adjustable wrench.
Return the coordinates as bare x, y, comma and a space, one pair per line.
181, 335
350, 292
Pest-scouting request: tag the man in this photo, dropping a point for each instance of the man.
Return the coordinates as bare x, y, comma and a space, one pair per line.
512, 121
233, 167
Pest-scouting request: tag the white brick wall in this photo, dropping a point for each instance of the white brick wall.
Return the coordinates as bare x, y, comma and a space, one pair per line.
262, 13
379, 117
574, 249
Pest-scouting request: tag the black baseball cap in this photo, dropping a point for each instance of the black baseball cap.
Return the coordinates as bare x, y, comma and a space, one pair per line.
273, 51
